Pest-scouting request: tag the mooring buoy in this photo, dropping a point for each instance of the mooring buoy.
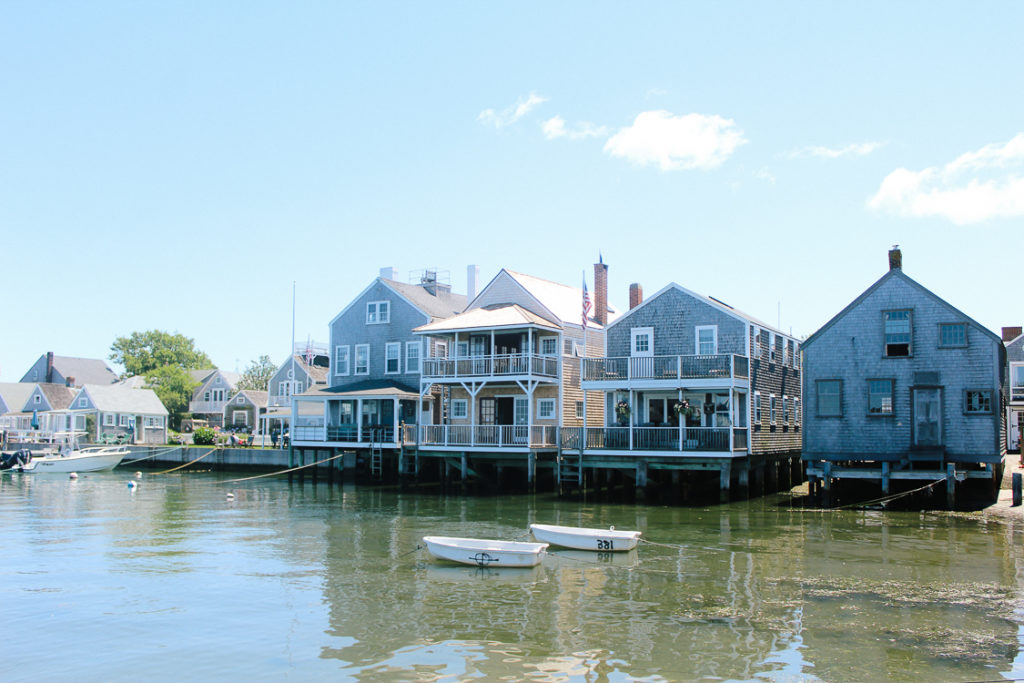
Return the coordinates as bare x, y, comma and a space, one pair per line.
73, 475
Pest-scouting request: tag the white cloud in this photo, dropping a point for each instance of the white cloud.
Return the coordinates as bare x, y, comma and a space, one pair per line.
765, 175
676, 142
974, 187
555, 128
858, 149
510, 115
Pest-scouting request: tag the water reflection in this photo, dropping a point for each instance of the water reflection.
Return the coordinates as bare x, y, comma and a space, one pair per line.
315, 580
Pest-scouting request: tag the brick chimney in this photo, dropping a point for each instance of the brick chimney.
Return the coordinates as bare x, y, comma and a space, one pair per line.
69, 382
49, 367
601, 292
895, 258
1011, 333
636, 295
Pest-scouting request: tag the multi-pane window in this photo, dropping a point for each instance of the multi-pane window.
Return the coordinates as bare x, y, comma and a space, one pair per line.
341, 359
546, 408
978, 402
880, 397
362, 359
377, 312
707, 340
796, 411
392, 357
830, 392
757, 407
579, 409
108, 419
459, 408
771, 408
643, 341
771, 347
1016, 382
953, 334
897, 333
412, 356
785, 410
549, 346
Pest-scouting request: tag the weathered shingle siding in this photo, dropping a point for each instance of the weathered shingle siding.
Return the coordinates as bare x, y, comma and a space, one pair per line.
37, 373
351, 329
571, 389
852, 350
1015, 350
675, 315
781, 378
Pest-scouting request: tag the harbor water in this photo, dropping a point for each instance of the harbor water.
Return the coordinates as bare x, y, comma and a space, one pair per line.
174, 578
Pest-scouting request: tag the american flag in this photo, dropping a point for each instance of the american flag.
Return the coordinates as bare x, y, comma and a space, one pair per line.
586, 304
309, 352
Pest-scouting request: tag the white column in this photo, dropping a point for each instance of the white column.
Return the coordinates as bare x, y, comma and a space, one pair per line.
359, 420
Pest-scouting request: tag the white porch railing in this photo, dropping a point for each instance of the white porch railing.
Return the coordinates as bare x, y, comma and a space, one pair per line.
720, 366
496, 436
656, 438
505, 365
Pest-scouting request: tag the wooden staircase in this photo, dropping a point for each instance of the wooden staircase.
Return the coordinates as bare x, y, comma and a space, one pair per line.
570, 471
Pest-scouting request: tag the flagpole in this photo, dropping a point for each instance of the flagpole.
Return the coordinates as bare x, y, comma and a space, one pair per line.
583, 440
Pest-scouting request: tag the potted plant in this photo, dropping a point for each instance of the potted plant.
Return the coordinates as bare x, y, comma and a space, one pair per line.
681, 408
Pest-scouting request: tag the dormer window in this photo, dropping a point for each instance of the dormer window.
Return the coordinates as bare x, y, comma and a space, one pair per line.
37, 399
897, 333
377, 312
642, 341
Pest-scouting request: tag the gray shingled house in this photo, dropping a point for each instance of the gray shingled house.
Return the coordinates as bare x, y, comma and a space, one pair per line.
902, 385
692, 384
73, 372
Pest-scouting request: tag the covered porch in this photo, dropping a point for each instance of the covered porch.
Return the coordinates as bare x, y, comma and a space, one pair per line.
371, 413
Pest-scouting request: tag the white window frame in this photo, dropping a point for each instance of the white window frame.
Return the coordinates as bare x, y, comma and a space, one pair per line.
785, 409
396, 349
123, 420
243, 413
545, 409
37, 399
579, 410
413, 361
796, 412
240, 399
714, 339
365, 349
462, 349
206, 396
108, 420
771, 408
553, 341
440, 349
634, 334
342, 360
757, 407
378, 312
83, 402
460, 409
771, 349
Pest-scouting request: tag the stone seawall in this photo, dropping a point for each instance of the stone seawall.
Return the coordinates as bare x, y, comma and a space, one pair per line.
221, 458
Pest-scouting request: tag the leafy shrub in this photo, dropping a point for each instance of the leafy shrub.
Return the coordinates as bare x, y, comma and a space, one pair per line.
204, 436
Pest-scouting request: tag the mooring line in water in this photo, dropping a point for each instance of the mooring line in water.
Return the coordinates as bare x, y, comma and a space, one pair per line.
418, 547
888, 499
162, 451
663, 545
211, 451
290, 469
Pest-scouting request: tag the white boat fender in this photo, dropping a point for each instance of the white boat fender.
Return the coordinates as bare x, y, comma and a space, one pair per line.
132, 484
138, 475
231, 496
73, 475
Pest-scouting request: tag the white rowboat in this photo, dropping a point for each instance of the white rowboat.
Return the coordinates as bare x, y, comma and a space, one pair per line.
482, 552
585, 539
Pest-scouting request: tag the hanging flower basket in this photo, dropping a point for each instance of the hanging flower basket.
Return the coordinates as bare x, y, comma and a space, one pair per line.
680, 408
622, 409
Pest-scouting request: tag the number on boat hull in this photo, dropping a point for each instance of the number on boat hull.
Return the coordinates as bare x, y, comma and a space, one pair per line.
605, 544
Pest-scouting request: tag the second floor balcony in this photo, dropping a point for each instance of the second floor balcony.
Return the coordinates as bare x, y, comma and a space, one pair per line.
504, 366
624, 371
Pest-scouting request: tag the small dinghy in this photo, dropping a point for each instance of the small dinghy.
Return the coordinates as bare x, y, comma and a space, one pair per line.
482, 552
582, 538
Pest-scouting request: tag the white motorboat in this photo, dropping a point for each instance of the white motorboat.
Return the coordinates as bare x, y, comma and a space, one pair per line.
582, 538
482, 552
69, 458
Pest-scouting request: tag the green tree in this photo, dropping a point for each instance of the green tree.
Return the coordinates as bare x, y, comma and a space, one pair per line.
257, 375
143, 352
174, 386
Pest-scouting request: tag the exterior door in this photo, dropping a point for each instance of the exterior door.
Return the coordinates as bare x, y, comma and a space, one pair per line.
927, 417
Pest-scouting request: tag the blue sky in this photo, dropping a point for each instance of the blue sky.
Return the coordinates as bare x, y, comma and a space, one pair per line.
178, 165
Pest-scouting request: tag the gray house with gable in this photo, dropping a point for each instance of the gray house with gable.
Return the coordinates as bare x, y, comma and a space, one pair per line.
1013, 337
691, 383
901, 385
372, 385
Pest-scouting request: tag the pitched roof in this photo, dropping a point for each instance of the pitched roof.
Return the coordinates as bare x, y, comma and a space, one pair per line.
897, 273
442, 305
257, 398
317, 373
564, 301
201, 375
114, 398
57, 395
15, 394
511, 315
369, 387
84, 370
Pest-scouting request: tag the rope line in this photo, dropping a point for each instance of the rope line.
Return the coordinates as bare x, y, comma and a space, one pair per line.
890, 498
173, 469
663, 545
290, 469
